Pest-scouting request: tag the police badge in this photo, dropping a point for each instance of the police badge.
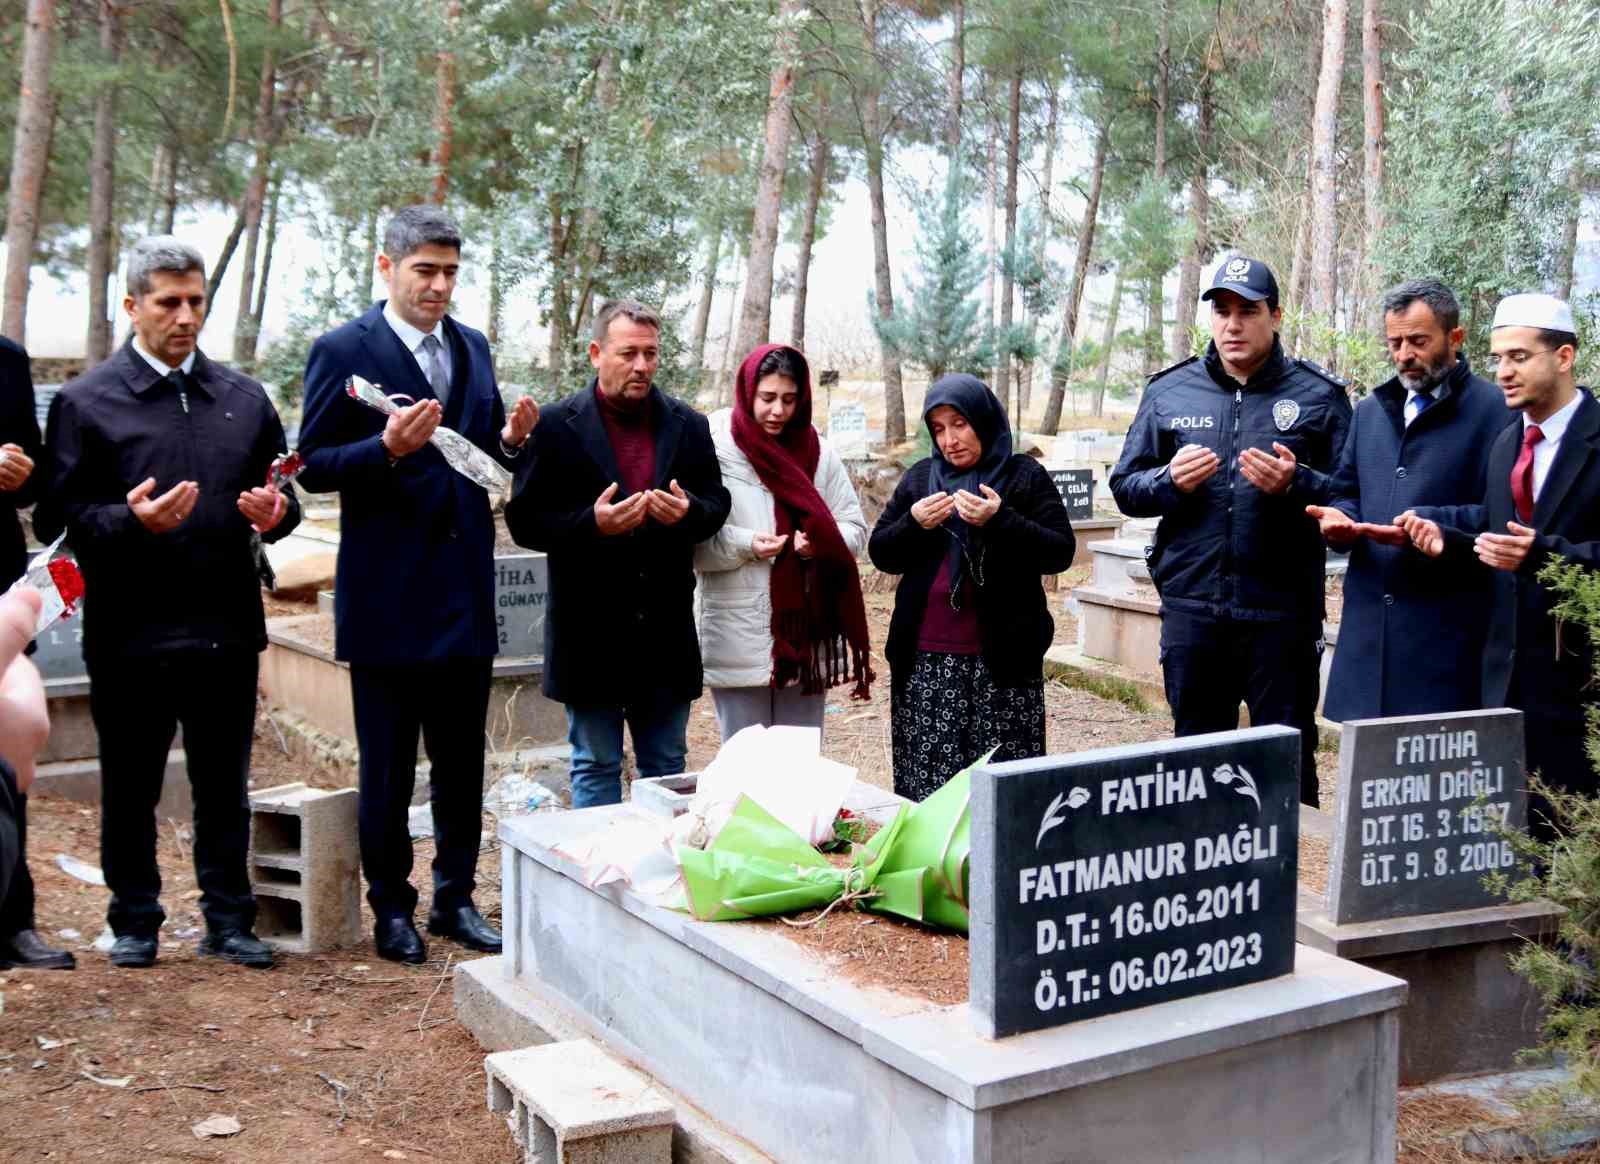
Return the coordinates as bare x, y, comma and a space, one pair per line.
1238, 271
1284, 414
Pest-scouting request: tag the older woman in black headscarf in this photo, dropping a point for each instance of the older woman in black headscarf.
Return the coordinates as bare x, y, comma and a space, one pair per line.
971, 529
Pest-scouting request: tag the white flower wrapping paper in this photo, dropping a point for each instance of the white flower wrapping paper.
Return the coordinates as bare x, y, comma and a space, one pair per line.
459, 453
780, 768
52, 606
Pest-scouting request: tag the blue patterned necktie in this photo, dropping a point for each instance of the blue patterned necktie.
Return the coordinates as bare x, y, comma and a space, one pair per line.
1420, 401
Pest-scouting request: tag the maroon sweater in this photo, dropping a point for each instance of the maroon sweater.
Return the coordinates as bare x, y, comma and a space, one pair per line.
632, 434
947, 631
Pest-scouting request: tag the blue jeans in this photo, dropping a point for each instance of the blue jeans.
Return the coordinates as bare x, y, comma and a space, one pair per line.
595, 733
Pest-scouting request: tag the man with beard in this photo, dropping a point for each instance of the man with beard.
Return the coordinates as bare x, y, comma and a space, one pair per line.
1413, 627
619, 487
1541, 501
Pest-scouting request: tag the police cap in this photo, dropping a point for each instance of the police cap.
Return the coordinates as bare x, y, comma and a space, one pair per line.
1246, 277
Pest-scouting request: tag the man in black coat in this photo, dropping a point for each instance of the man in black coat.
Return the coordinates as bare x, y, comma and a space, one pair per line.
1411, 640
414, 599
1543, 491
1228, 450
159, 461
620, 485
20, 943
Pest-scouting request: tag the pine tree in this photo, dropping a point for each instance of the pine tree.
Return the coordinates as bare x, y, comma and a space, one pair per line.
942, 328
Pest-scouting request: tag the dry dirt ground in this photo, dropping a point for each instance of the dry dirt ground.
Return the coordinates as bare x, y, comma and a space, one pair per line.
345, 1057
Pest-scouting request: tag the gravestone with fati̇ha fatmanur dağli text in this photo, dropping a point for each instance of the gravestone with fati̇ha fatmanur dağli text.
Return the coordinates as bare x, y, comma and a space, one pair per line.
1120, 878
1417, 824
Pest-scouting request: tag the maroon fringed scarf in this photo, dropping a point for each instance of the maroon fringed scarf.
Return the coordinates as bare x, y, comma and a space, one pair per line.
819, 621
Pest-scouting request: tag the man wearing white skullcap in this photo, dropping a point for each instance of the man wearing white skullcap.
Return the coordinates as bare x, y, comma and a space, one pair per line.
1542, 501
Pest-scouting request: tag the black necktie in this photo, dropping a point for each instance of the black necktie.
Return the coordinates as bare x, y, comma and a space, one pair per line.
180, 383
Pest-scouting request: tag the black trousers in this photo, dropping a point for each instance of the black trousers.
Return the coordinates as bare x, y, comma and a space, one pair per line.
137, 705
1555, 741
16, 901
1210, 665
448, 702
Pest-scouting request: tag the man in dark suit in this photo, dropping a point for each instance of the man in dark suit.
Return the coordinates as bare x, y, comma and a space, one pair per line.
621, 484
159, 462
1543, 491
414, 598
1411, 641
20, 943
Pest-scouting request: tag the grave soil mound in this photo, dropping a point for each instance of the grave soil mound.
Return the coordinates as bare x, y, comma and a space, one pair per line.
872, 950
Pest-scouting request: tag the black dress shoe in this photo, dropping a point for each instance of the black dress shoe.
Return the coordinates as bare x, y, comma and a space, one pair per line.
134, 950
240, 947
25, 950
397, 940
466, 925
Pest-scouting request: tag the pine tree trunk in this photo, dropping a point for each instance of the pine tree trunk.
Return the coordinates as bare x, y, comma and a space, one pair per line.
755, 320
30, 159
821, 158
1199, 252
605, 99
1324, 185
1002, 384
1110, 340
102, 192
725, 377
255, 192
1061, 374
1155, 298
560, 243
991, 202
497, 284
1372, 147
708, 292
958, 64
444, 106
1295, 293
169, 193
894, 404
1040, 238
1567, 257
270, 233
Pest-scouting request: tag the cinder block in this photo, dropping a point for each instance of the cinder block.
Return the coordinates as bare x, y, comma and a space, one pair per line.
571, 1103
305, 867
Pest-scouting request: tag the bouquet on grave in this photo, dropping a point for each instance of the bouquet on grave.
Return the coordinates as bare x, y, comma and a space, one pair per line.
916, 867
459, 453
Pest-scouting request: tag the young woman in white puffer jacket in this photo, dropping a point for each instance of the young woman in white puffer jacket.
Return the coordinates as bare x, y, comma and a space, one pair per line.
779, 602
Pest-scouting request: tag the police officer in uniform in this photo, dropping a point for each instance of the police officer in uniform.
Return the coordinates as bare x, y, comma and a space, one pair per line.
1227, 450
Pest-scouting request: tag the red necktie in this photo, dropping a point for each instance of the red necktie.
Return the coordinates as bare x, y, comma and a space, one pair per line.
1522, 474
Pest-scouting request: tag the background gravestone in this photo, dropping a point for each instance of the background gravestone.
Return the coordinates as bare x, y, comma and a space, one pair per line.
1414, 824
59, 651
521, 586
1076, 487
847, 430
43, 394
1194, 845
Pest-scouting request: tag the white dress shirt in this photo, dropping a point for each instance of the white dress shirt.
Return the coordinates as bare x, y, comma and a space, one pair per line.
413, 338
161, 367
1554, 428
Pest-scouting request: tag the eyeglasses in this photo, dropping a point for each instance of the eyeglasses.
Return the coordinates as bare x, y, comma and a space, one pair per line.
1514, 358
